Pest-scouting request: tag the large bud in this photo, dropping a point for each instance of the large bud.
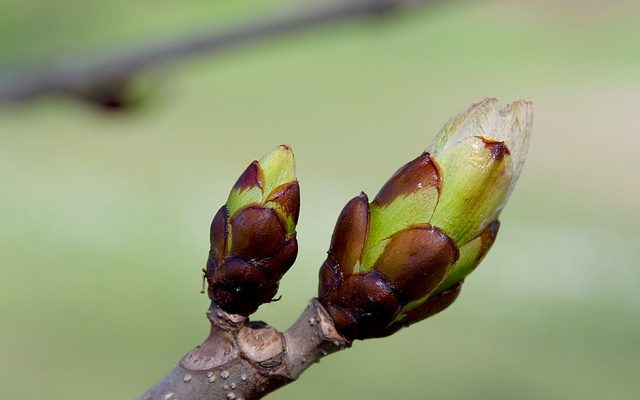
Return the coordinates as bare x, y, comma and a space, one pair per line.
403, 257
253, 236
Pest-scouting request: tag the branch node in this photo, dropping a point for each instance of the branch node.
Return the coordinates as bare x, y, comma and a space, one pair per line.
261, 344
225, 321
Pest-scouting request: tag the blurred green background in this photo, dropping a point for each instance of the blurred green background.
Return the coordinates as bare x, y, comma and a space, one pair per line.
104, 218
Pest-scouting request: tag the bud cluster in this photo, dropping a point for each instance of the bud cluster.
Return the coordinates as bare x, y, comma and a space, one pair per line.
253, 237
403, 257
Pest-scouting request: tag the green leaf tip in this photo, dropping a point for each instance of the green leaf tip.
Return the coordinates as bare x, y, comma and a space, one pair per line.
511, 125
481, 152
270, 181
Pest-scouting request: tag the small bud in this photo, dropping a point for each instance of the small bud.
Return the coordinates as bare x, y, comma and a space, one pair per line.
253, 238
403, 257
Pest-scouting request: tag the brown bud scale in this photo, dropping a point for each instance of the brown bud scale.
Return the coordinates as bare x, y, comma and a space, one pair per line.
416, 260
287, 197
250, 252
350, 234
487, 237
362, 304
257, 232
219, 233
251, 177
417, 174
429, 308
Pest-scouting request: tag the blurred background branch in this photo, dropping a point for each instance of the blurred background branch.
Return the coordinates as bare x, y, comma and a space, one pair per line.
105, 79
105, 218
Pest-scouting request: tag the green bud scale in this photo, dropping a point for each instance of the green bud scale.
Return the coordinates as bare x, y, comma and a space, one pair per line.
403, 257
253, 237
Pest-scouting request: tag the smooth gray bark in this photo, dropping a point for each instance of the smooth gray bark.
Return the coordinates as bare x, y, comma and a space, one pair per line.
247, 360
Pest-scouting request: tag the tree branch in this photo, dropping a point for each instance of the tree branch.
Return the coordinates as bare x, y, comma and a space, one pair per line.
248, 360
104, 79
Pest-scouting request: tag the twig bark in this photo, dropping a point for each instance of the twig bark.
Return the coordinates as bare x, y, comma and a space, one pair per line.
104, 79
247, 360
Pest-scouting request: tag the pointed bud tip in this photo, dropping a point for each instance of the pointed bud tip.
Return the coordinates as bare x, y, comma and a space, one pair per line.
279, 167
282, 153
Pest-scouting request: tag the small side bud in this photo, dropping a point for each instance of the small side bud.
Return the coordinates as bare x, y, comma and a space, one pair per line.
253, 238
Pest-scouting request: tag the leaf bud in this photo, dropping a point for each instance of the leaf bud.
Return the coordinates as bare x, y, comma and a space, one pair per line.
404, 256
253, 237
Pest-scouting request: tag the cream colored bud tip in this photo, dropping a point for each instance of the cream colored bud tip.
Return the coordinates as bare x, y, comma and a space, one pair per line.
281, 156
511, 125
